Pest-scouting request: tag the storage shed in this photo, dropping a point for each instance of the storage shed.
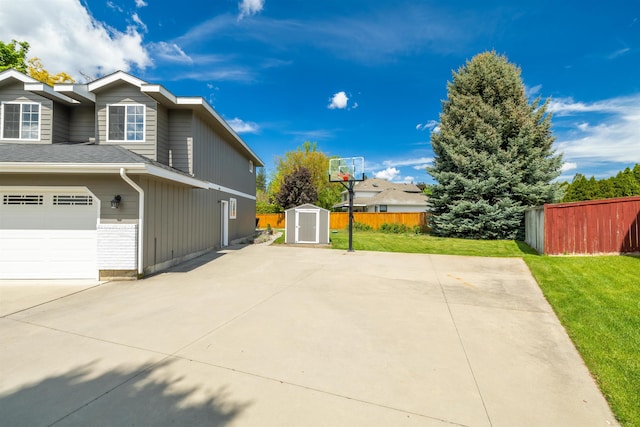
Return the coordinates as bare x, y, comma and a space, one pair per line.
307, 224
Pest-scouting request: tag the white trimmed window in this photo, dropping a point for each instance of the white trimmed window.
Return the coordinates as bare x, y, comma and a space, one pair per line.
233, 208
20, 120
125, 122
251, 166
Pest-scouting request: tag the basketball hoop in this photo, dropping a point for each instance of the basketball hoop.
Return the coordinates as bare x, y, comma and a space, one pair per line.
347, 171
345, 176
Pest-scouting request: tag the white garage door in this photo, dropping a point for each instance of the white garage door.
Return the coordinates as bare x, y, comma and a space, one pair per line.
48, 233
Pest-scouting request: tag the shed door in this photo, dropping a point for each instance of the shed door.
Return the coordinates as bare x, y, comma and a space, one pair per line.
307, 226
48, 234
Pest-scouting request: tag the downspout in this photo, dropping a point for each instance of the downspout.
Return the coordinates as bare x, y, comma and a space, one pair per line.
140, 191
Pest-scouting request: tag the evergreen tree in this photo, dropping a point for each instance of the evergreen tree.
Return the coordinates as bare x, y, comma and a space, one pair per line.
626, 183
261, 180
297, 189
493, 154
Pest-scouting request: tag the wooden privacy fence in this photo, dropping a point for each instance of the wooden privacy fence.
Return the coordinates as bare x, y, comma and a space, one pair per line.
592, 227
339, 220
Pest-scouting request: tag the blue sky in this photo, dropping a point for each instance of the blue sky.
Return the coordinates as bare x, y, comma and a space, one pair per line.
361, 78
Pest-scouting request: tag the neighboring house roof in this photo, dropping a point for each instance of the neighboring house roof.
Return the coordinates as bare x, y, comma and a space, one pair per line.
389, 193
81, 158
377, 184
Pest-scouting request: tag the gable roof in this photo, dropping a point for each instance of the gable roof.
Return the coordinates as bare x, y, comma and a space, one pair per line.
74, 94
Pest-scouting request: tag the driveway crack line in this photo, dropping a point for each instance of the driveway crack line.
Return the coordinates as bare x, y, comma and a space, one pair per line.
342, 396
464, 350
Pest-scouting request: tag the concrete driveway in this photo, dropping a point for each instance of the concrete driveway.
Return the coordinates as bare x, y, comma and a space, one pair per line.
281, 336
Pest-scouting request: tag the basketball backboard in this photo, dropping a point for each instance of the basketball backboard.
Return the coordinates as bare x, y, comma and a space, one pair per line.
346, 169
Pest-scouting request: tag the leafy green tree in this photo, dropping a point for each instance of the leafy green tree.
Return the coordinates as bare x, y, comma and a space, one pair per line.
625, 183
493, 154
14, 55
317, 163
297, 189
606, 189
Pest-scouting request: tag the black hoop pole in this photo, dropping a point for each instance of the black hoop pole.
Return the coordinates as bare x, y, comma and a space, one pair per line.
351, 192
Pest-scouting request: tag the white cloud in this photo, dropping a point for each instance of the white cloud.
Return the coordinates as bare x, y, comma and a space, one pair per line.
431, 125
170, 52
141, 3
408, 162
567, 166
607, 131
250, 7
114, 6
408, 179
533, 91
139, 22
240, 126
67, 38
339, 101
389, 174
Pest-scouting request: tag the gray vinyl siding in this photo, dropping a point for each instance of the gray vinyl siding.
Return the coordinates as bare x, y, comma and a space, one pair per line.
178, 221
216, 160
163, 134
16, 93
181, 140
128, 94
60, 124
82, 125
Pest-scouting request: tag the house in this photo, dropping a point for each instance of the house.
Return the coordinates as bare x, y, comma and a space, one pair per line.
380, 195
115, 178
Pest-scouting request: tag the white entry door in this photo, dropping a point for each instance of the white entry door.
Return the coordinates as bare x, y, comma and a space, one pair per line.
48, 233
224, 223
307, 226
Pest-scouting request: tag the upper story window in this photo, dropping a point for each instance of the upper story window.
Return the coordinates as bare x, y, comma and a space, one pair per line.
20, 121
125, 122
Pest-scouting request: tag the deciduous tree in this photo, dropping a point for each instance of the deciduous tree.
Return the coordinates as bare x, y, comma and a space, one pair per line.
309, 157
36, 70
14, 55
297, 189
493, 153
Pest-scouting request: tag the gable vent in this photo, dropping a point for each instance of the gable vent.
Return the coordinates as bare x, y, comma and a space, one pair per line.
72, 200
22, 199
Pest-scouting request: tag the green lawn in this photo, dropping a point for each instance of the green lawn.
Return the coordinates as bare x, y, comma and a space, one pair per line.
597, 299
422, 243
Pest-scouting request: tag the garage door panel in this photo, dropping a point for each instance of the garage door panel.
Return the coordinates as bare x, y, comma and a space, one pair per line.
55, 238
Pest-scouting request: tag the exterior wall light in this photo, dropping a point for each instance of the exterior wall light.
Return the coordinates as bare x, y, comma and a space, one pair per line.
115, 203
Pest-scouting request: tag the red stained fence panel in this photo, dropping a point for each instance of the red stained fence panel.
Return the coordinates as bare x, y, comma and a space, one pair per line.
593, 227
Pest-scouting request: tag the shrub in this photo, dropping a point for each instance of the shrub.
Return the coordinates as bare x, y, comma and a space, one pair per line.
360, 226
394, 228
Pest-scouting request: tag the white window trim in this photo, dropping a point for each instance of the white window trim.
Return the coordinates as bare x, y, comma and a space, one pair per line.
21, 104
144, 123
251, 166
233, 208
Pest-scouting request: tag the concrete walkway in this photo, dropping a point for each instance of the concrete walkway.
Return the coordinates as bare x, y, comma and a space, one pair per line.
280, 336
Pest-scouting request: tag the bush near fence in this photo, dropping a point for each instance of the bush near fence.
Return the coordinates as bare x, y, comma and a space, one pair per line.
340, 220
